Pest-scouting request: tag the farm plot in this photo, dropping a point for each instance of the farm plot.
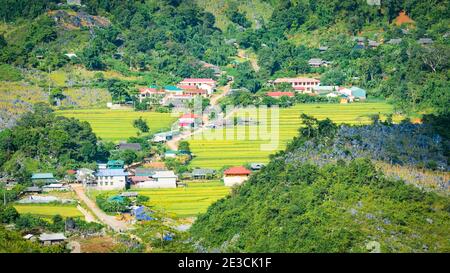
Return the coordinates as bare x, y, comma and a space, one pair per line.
115, 125
180, 202
219, 153
49, 210
188, 201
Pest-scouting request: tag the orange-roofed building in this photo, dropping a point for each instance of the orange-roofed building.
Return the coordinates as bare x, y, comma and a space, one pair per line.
235, 176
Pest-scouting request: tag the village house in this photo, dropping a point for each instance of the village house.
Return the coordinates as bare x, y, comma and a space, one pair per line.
189, 91
215, 68
373, 44
278, 95
345, 91
323, 48
235, 176
325, 89
203, 174
173, 90
43, 178
179, 102
358, 93
316, 62
152, 93
129, 146
170, 154
299, 84
189, 120
115, 164
55, 187
162, 137
33, 189
165, 179
395, 41
425, 41
149, 178
111, 179
206, 84
52, 238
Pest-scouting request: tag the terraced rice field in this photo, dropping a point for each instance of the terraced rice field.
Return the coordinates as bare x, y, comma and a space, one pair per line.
48, 211
188, 201
180, 202
116, 125
218, 153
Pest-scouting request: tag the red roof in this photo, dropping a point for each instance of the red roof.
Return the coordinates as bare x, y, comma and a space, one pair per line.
149, 90
280, 94
71, 172
198, 80
189, 116
187, 87
237, 171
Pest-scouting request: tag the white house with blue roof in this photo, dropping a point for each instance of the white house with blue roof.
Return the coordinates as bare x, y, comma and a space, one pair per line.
111, 179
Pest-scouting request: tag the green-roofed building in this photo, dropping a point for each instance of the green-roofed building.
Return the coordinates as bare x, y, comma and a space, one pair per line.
115, 164
173, 89
43, 178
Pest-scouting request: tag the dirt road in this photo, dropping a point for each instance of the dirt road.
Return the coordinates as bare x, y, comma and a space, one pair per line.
173, 144
87, 215
108, 220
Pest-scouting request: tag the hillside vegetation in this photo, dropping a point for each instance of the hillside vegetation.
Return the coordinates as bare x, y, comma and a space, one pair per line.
340, 204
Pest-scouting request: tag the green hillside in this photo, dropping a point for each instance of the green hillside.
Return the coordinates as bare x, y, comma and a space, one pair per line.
323, 194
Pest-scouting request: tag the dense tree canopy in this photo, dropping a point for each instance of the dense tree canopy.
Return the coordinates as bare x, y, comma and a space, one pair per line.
42, 141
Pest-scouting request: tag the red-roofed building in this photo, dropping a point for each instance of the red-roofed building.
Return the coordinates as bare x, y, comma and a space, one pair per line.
206, 84
235, 176
307, 83
195, 92
189, 120
278, 95
151, 92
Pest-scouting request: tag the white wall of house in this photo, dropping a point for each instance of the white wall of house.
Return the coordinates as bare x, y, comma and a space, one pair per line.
232, 180
155, 184
111, 182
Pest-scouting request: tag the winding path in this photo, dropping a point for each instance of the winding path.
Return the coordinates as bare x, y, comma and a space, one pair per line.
108, 220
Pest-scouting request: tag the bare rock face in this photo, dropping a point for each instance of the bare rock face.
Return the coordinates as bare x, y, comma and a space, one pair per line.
77, 20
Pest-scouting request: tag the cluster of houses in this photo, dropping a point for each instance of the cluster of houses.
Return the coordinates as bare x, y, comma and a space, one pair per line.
180, 94
312, 87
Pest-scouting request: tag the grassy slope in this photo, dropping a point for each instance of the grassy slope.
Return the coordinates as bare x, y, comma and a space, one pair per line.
253, 9
115, 125
217, 153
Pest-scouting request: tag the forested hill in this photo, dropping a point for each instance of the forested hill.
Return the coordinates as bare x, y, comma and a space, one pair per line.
331, 200
166, 40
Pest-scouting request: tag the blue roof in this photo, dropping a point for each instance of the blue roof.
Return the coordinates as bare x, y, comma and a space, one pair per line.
111, 172
138, 210
167, 238
144, 217
172, 88
42, 176
358, 92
